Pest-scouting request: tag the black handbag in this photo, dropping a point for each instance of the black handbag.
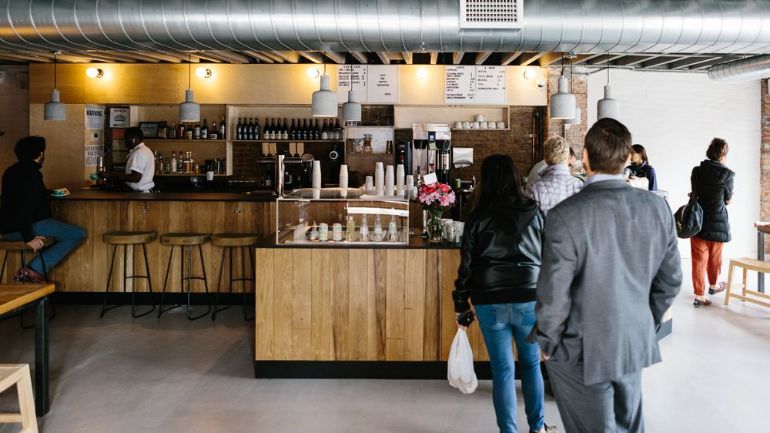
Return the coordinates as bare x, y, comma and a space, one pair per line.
689, 218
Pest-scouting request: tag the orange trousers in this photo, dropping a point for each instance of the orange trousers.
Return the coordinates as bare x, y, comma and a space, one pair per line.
706, 259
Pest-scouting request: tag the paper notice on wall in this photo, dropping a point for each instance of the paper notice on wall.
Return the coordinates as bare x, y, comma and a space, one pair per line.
475, 85
383, 84
94, 117
93, 152
119, 117
355, 76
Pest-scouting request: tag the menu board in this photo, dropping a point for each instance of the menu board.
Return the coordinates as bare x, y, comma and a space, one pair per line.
355, 74
383, 84
475, 85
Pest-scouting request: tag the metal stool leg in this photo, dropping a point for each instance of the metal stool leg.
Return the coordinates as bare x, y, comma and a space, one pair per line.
219, 287
165, 283
205, 284
246, 316
107, 287
134, 277
2, 270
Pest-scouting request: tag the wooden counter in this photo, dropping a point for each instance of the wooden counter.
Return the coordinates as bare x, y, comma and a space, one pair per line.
85, 270
341, 312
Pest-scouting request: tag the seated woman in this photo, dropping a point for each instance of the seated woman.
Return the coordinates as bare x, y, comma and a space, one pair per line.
25, 212
640, 167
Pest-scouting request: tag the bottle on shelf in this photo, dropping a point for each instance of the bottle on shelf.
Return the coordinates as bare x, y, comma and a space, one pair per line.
204, 130
324, 131
173, 161
172, 131
293, 131
303, 130
378, 236
256, 131
239, 130
197, 132
214, 131
337, 130
268, 129
222, 129
285, 130
364, 233
350, 230
248, 129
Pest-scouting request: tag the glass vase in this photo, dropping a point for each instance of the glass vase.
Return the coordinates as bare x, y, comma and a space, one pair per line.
435, 226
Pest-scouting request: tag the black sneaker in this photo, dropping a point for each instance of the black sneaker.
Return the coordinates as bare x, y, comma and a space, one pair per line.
718, 289
548, 429
698, 303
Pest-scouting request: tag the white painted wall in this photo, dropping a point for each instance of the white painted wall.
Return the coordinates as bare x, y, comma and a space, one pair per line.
675, 116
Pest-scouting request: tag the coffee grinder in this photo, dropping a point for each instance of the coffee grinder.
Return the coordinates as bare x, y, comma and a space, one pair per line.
432, 150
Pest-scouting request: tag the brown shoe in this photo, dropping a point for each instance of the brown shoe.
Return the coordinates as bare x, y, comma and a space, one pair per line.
27, 275
697, 303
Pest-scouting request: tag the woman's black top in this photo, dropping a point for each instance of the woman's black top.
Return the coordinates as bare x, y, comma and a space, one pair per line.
712, 182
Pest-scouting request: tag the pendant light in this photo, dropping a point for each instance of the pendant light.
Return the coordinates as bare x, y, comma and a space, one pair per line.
324, 100
351, 110
189, 110
563, 102
578, 112
608, 107
55, 110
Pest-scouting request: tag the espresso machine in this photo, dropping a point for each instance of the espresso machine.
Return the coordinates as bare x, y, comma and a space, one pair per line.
431, 150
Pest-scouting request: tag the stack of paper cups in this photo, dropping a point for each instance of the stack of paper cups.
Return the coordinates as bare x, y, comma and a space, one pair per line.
344, 180
317, 174
389, 181
379, 179
400, 180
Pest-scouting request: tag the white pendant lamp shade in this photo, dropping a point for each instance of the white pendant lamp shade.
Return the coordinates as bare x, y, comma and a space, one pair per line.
55, 110
575, 120
351, 110
324, 100
189, 110
608, 107
563, 102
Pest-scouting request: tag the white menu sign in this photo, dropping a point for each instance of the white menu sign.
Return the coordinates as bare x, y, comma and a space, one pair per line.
475, 85
355, 74
383, 84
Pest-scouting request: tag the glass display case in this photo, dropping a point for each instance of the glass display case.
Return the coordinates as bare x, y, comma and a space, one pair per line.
333, 217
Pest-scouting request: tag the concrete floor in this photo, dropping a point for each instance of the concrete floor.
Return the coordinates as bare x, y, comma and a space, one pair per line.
124, 375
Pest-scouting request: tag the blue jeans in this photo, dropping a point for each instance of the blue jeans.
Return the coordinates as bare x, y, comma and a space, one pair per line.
501, 324
66, 236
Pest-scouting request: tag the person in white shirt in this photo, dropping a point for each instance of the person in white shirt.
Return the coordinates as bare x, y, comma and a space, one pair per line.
140, 167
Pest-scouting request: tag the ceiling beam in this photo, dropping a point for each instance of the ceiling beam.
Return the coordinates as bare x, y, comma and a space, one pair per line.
457, 58
259, 56
528, 58
693, 61
25, 58
509, 57
482, 57
313, 57
660, 61
433, 57
584, 58
361, 57
289, 56
723, 59
407, 57
383, 57
606, 58
109, 57
157, 56
634, 59
338, 58
548, 59
276, 58
206, 57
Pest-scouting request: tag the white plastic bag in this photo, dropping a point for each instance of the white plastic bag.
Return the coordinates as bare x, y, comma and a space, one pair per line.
460, 365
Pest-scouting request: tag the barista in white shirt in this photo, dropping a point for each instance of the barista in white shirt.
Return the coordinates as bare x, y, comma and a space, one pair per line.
140, 167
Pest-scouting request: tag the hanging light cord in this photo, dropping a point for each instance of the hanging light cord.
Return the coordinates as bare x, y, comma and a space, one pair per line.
55, 63
189, 69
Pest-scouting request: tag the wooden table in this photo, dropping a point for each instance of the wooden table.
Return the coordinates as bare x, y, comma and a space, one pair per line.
16, 296
763, 228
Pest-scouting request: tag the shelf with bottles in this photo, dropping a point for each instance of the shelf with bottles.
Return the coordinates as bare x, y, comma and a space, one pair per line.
182, 141
162, 122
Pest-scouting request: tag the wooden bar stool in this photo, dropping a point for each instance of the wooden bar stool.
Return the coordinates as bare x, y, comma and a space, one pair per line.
22, 249
19, 375
747, 264
243, 243
128, 239
185, 242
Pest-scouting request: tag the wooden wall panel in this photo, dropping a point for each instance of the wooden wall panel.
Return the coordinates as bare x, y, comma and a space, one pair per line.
360, 286
263, 317
283, 304
414, 304
302, 313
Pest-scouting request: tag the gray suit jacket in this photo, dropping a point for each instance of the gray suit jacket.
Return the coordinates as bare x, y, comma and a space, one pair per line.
610, 271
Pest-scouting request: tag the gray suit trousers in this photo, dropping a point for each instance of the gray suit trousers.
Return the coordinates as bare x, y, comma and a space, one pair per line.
608, 407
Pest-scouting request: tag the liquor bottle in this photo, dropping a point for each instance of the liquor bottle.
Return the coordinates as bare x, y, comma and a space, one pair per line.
285, 132
214, 131
256, 131
239, 130
337, 130
317, 130
301, 126
173, 162
248, 129
204, 130
268, 129
172, 131
324, 131
180, 130
197, 131
222, 129
293, 131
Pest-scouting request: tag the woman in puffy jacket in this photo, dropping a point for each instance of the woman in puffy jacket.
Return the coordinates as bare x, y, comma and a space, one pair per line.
556, 182
500, 264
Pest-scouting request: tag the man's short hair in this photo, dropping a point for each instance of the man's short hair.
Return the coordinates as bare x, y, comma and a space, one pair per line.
134, 132
608, 144
29, 148
717, 149
556, 150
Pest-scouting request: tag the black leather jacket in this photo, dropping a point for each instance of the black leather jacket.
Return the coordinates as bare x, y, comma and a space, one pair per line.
500, 256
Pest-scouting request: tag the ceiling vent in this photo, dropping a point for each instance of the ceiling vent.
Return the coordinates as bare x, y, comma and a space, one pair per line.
491, 14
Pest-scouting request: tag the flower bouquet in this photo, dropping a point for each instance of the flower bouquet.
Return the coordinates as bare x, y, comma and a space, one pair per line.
435, 198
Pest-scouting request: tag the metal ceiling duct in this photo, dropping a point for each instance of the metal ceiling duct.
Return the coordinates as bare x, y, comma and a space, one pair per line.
753, 68
585, 26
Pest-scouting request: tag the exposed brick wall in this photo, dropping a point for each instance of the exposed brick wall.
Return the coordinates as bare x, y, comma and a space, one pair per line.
245, 160
764, 170
575, 133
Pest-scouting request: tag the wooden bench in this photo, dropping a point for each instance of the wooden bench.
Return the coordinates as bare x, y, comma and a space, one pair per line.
753, 296
14, 297
19, 375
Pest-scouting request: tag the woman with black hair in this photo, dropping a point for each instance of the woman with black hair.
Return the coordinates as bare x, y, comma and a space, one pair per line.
640, 166
500, 265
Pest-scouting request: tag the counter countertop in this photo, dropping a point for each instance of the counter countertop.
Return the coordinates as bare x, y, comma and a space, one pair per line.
415, 242
95, 194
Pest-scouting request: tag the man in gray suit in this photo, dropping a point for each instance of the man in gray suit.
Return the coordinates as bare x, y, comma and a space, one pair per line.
610, 271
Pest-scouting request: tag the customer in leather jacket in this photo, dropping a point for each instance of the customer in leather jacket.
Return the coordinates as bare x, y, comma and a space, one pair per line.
500, 265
